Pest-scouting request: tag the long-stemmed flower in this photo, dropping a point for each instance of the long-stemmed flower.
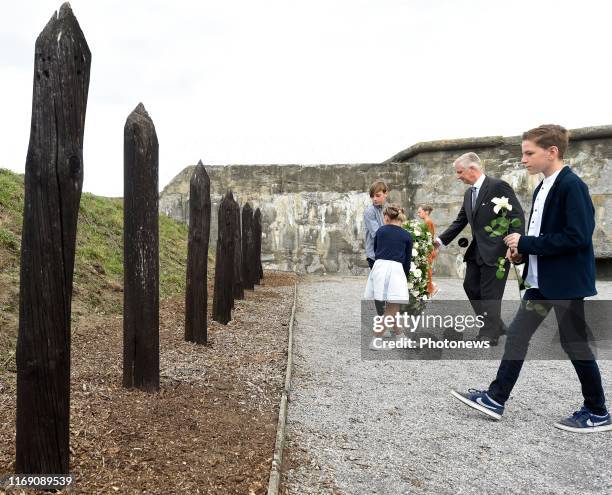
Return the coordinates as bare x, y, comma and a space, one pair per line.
500, 226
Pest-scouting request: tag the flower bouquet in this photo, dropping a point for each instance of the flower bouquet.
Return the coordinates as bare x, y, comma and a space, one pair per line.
419, 266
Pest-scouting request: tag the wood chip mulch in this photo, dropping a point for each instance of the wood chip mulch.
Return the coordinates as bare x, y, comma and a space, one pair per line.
210, 429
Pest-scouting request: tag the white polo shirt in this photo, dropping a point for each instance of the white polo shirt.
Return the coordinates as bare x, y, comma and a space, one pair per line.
534, 226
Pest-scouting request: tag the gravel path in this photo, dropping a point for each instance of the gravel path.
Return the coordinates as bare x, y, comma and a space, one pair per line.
391, 427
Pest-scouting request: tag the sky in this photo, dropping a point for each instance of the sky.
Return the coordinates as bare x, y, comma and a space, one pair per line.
312, 81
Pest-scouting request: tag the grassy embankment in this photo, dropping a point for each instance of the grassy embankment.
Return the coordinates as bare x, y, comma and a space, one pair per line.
98, 278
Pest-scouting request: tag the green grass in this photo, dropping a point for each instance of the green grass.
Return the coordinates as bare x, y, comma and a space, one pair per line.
98, 275
8, 240
11, 190
99, 236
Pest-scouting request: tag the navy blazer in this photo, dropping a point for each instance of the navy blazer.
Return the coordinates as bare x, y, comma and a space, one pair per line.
566, 261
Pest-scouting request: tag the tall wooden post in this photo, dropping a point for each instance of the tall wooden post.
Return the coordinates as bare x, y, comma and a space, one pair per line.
247, 247
258, 231
224, 266
196, 297
53, 183
238, 278
141, 252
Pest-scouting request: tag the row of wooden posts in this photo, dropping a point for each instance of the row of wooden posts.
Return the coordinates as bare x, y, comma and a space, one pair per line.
238, 256
53, 184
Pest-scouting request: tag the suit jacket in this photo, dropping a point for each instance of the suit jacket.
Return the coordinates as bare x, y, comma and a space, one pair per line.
566, 261
484, 249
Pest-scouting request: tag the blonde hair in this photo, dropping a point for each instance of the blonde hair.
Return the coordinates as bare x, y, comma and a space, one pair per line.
395, 212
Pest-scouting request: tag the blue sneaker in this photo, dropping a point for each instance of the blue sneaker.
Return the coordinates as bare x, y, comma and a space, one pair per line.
480, 400
584, 421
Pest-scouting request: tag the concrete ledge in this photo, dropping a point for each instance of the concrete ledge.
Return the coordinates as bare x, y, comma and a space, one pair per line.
579, 134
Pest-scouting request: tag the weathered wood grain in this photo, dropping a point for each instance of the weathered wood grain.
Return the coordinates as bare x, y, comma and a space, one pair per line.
53, 184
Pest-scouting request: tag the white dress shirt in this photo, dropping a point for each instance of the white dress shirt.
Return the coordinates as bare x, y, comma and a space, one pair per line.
534, 226
477, 185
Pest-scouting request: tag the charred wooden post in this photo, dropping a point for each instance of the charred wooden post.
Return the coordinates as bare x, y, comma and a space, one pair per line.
247, 247
53, 184
258, 231
196, 297
141, 253
223, 296
238, 280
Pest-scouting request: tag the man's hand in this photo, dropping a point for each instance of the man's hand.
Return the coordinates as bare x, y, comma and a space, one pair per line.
514, 256
512, 240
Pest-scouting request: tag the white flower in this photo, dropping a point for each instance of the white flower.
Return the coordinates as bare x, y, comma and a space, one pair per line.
410, 285
418, 273
415, 253
415, 293
412, 266
417, 233
500, 203
424, 297
415, 245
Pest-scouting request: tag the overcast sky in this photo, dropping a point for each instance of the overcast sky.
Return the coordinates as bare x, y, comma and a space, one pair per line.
312, 81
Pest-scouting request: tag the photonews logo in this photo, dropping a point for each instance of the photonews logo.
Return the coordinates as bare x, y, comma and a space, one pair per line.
380, 343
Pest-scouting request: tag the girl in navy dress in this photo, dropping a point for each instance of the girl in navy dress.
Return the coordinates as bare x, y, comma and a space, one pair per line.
388, 280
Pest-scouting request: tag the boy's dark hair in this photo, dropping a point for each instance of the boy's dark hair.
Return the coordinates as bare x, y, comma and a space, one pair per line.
427, 208
378, 186
549, 135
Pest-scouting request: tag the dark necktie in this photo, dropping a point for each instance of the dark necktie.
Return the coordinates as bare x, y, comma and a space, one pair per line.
473, 188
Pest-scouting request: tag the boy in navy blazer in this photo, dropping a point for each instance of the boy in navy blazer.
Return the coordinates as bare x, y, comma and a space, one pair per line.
559, 273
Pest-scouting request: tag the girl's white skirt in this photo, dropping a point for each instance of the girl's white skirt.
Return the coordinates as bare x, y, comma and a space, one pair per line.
387, 282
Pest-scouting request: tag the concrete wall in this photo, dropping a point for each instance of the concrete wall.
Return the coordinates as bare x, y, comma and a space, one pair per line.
313, 214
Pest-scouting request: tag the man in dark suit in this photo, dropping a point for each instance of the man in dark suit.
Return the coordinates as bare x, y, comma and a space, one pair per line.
559, 273
483, 288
